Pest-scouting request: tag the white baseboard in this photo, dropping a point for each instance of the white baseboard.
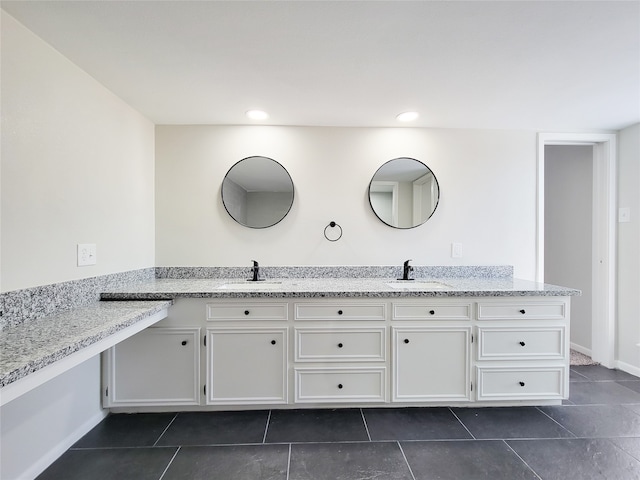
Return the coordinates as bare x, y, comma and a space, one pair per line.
581, 349
41, 465
625, 367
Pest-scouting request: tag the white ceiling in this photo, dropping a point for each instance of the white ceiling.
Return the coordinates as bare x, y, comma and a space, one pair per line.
535, 65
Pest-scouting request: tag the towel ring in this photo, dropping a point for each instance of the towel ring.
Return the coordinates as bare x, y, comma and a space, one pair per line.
333, 225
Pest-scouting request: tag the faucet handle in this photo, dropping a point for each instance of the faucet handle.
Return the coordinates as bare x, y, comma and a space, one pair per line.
406, 264
255, 264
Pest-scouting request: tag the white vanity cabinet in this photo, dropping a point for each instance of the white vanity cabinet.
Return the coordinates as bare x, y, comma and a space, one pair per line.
523, 349
340, 352
247, 353
431, 344
158, 366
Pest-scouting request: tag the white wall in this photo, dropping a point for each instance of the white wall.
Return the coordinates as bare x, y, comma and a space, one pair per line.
77, 167
629, 250
568, 186
487, 180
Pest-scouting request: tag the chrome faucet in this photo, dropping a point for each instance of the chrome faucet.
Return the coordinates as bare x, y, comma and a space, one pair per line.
406, 270
256, 272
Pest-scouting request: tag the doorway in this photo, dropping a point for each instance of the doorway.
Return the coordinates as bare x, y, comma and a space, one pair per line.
603, 236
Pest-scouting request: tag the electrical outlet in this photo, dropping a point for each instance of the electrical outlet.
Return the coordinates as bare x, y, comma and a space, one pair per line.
86, 254
456, 250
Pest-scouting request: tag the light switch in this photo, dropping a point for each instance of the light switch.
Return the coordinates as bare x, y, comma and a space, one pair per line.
624, 214
456, 250
86, 254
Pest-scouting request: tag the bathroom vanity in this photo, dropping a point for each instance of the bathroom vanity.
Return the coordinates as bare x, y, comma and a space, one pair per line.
296, 343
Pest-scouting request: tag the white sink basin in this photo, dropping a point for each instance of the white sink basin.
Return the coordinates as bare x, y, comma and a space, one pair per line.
248, 285
409, 285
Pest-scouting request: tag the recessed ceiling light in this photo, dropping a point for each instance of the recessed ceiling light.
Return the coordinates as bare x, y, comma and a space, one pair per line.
257, 115
407, 116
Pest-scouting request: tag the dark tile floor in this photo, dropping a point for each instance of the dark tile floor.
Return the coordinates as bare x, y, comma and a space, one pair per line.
593, 435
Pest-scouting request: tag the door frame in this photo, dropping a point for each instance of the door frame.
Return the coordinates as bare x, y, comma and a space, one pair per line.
604, 236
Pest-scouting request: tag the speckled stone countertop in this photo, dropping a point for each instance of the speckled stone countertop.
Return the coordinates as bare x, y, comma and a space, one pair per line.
37, 343
166, 288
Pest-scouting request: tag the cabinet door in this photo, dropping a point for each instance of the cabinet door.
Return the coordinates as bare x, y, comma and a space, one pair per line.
246, 366
158, 366
431, 364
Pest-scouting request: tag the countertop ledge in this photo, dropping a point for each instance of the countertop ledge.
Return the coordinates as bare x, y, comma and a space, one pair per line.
35, 344
333, 288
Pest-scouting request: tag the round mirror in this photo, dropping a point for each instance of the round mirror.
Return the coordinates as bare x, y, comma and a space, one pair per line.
404, 193
257, 192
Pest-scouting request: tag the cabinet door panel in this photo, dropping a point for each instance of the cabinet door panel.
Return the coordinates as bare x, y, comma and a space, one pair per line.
246, 366
431, 364
158, 366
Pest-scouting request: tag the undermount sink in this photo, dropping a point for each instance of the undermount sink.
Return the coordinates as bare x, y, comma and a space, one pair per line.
248, 285
419, 285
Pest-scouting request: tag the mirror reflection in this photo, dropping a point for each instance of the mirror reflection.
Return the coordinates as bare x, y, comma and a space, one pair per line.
404, 193
257, 192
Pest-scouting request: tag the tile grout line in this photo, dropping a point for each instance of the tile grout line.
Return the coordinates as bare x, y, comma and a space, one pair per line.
521, 459
289, 462
556, 422
366, 427
169, 464
165, 430
463, 425
405, 460
266, 428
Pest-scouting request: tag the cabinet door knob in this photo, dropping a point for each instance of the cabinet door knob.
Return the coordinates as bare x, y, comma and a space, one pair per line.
184, 342
340, 385
273, 342
432, 312
523, 311
339, 312
406, 340
521, 384
522, 343
340, 345
246, 312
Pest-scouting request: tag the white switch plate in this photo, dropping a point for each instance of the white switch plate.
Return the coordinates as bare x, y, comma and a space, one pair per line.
624, 214
86, 254
456, 250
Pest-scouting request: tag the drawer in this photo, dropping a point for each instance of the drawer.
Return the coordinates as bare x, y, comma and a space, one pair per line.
522, 310
427, 311
340, 344
521, 383
337, 311
318, 385
521, 343
247, 311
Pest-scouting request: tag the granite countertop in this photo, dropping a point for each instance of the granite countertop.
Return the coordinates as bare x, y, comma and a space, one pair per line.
333, 288
37, 343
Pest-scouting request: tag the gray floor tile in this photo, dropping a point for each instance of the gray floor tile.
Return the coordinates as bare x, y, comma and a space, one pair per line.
468, 460
216, 428
110, 464
127, 430
632, 385
629, 445
509, 422
577, 377
413, 424
633, 408
577, 459
598, 373
348, 461
601, 393
340, 425
235, 462
596, 420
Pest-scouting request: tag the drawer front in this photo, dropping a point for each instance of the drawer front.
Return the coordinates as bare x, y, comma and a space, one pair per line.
340, 344
247, 311
524, 310
427, 311
336, 311
315, 385
521, 343
521, 383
